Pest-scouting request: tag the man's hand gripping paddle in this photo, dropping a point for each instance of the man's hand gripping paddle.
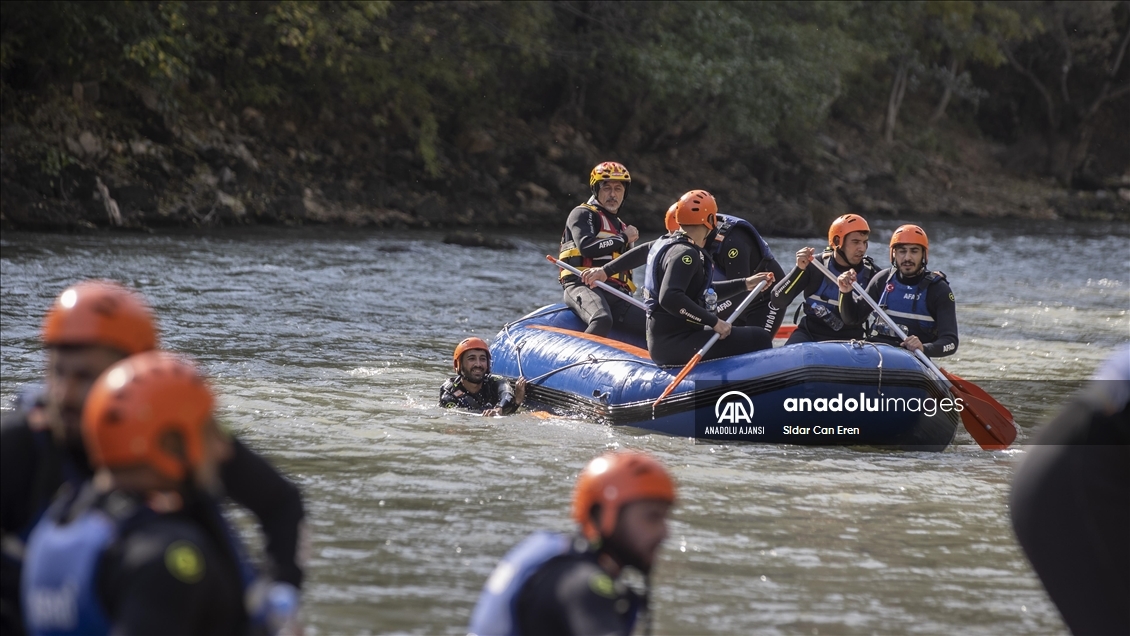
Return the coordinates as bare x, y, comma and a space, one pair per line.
987, 420
709, 343
605, 286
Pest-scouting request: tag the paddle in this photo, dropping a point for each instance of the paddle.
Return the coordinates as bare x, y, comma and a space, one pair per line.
709, 343
987, 420
605, 286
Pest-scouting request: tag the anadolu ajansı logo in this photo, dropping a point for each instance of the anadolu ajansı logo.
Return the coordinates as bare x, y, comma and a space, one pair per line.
733, 407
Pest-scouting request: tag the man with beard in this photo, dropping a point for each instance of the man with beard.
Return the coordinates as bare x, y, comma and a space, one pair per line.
918, 300
560, 584
141, 548
474, 388
847, 250
593, 236
88, 328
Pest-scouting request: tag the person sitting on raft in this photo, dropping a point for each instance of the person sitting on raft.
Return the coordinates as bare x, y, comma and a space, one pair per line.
474, 388
737, 250
847, 250
918, 300
681, 297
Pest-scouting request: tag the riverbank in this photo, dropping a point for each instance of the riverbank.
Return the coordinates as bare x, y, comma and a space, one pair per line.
87, 161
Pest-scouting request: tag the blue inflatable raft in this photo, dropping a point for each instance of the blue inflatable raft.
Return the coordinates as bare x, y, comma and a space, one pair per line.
828, 393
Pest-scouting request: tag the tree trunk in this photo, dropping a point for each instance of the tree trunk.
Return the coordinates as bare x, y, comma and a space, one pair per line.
894, 103
940, 111
1067, 150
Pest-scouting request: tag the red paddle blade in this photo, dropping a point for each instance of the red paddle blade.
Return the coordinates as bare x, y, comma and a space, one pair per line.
989, 428
785, 331
973, 389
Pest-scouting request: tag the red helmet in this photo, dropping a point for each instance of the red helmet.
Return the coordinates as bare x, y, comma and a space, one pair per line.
614, 480
845, 225
100, 312
467, 345
697, 207
669, 218
150, 409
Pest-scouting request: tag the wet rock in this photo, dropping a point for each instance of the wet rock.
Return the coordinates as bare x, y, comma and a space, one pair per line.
475, 239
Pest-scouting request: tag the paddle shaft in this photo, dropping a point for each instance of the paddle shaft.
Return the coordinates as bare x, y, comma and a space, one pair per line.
887, 319
734, 316
709, 343
605, 286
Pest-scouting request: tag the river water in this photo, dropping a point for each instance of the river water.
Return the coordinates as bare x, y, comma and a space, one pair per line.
328, 346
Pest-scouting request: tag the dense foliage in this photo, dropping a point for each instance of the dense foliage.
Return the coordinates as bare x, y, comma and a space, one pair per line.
637, 76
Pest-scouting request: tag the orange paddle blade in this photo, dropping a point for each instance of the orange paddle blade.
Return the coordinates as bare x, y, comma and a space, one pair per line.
785, 331
973, 389
678, 379
990, 429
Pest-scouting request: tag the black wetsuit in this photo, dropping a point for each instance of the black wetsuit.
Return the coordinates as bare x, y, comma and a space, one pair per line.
573, 596
1070, 506
588, 235
675, 329
169, 573
495, 392
32, 468
940, 340
806, 282
738, 255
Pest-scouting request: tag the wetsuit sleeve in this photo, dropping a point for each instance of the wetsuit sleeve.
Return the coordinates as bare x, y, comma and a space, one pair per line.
505, 396
795, 284
17, 467
583, 225
253, 483
447, 397
730, 288
678, 273
855, 311
626, 262
941, 305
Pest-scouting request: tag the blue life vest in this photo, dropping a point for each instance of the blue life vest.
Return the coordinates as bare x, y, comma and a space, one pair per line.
57, 585
824, 303
906, 305
58, 581
496, 613
653, 277
727, 224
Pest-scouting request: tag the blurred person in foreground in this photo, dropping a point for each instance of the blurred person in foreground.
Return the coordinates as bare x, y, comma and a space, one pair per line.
573, 584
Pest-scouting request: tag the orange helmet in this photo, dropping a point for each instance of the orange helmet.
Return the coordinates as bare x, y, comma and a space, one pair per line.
608, 171
134, 407
697, 207
845, 225
614, 480
669, 218
469, 344
100, 312
910, 235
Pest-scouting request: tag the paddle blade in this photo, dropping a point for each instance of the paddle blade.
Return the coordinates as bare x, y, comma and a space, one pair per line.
989, 428
677, 380
973, 389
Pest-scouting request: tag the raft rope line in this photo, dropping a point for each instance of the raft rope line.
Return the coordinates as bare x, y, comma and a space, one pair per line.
859, 344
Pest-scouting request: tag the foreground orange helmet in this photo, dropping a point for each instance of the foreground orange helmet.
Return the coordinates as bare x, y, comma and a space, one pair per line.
608, 171
697, 207
469, 344
669, 218
100, 312
137, 410
614, 480
845, 225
